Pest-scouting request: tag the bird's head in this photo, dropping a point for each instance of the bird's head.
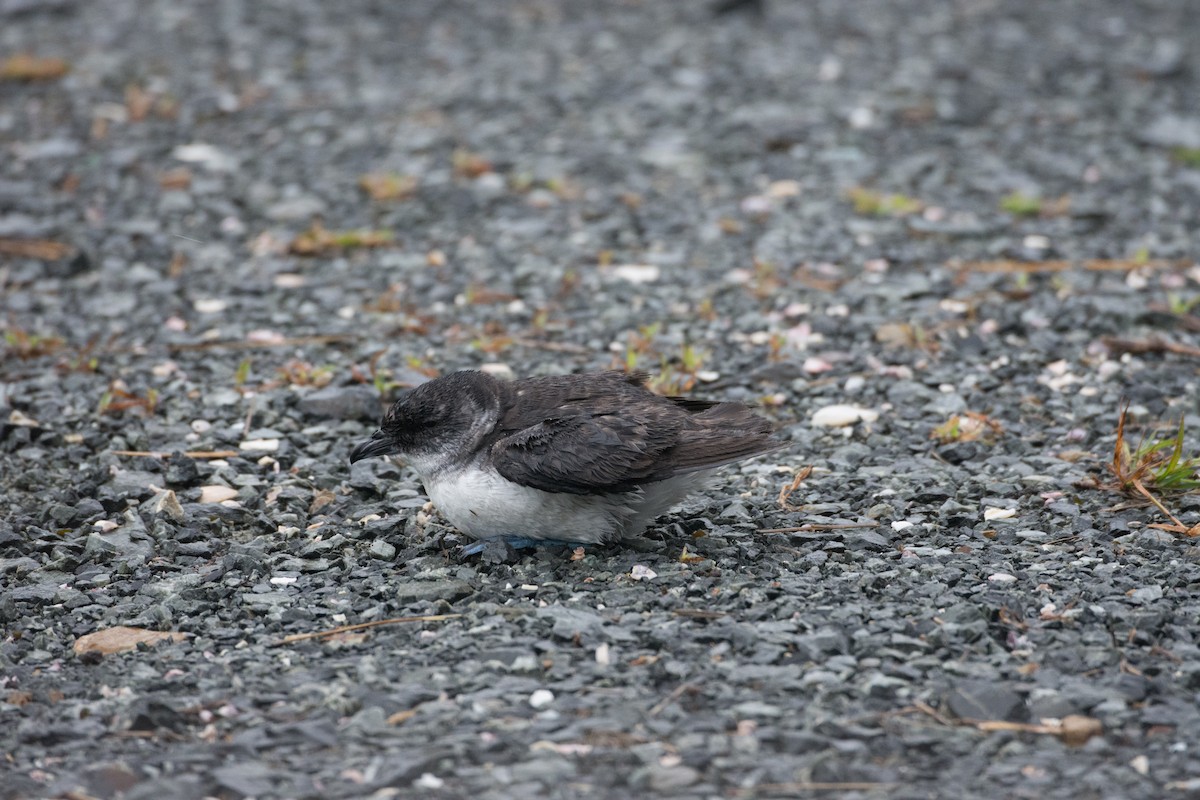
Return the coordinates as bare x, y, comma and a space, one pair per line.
435, 420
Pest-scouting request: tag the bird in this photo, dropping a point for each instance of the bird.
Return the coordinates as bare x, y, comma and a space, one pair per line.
577, 459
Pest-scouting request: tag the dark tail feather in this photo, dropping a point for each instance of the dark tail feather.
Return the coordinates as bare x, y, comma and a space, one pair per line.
725, 433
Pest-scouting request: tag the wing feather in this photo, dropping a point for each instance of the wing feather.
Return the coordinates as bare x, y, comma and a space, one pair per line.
610, 450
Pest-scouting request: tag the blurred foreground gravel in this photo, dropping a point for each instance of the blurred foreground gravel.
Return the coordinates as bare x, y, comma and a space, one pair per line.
229, 231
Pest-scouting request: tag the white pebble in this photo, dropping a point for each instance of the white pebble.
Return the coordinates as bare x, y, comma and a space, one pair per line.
216, 494
637, 273
839, 416
24, 420
641, 572
991, 514
1002, 577
260, 445
290, 280
786, 188
209, 305
502, 371
541, 698
814, 365
428, 781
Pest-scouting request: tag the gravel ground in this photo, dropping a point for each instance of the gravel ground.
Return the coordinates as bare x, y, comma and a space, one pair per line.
918, 209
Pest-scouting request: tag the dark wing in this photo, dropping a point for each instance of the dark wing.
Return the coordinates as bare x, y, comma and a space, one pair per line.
588, 453
616, 450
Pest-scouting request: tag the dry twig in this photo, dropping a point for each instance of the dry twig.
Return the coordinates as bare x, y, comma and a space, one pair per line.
242, 344
813, 526
1151, 345
786, 492
300, 637
200, 454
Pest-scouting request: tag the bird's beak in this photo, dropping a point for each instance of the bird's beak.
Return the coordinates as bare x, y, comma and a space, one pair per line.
377, 445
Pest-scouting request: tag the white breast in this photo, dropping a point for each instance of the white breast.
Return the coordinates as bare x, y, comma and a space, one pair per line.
482, 504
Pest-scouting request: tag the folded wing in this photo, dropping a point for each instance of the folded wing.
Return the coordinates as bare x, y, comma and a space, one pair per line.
604, 451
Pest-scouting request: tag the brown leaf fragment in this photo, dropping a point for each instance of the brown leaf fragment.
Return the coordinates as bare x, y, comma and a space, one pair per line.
967, 427
40, 249
317, 240
470, 165
321, 499
138, 102
896, 334
180, 178
384, 186
401, 717
28, 67
122, 639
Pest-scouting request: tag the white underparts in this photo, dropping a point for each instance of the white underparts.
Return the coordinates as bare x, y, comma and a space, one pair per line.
481, 503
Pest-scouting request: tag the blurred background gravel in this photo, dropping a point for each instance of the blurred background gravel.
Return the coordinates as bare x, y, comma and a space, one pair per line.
230, 231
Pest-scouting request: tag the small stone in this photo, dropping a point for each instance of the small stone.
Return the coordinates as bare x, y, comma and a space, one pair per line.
1146, 594
428, 782
168, 504
1172, 130
216, 494
756, 708
97, 548
295, 209
542, 698
209, 305
254, 778
661, 778
981, 700
637, 273
841, 416
181, 470
448, 590
382, 550
343, 402
642, 573
866, 540
884, 686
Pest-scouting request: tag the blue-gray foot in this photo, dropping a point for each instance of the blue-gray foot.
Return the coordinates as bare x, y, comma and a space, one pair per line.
518, 543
